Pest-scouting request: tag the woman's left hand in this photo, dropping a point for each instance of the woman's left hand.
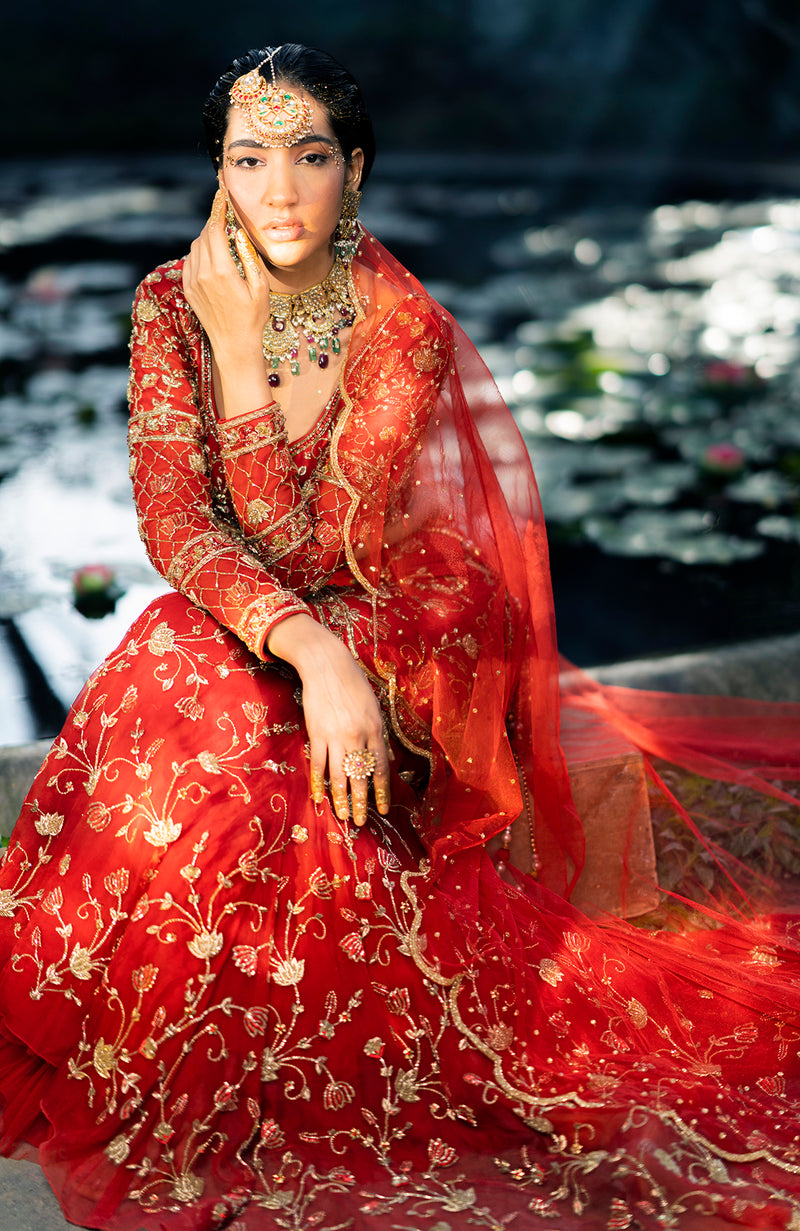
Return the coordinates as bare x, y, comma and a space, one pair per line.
343, 718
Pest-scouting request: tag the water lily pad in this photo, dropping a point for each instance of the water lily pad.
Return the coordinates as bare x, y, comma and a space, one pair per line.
787, 529
658, 485
685, 536
766, 487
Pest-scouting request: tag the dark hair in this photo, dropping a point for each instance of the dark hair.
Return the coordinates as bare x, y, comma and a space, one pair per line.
308, 69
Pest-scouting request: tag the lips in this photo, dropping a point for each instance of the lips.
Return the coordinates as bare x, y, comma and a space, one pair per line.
284, 229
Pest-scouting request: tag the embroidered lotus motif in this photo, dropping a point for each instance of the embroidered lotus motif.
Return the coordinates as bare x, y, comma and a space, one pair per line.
206, 944
162, 640
272, 1135
118, 1149
163, 831
336, 1095
406, 1085
637, 1013
116, 883
500, 1037
48, 824
188, 1188
53, 902
550, 971
80, 963
245, 958
144, 978
104, 1058
97, 816
269, 1066
8, 904
440, 1154
398, 1000
289, 971
353, 946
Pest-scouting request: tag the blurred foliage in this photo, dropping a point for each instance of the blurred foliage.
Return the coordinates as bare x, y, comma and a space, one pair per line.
744, 839
666, 77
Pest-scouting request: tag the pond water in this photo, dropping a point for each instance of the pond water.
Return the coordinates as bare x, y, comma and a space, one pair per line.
648, 354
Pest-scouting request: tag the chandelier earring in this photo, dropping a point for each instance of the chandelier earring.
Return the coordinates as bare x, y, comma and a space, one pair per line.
347, 235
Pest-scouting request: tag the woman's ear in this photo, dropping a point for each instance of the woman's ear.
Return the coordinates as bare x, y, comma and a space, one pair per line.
354, 169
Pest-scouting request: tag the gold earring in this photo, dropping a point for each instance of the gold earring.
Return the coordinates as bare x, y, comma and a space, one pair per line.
347, 235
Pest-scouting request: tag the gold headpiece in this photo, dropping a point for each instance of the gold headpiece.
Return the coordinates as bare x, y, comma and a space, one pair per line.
275, 116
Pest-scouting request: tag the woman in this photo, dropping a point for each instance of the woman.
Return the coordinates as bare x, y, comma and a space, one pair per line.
258, 969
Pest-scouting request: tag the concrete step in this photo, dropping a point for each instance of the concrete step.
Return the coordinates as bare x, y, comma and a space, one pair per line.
27, 1202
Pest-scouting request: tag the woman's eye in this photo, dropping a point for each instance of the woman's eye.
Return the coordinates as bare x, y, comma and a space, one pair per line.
315, 159
248, 161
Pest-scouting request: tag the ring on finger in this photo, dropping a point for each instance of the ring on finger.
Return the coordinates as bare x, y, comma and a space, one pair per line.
360, 763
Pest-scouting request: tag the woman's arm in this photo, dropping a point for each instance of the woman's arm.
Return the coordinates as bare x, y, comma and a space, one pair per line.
191, 547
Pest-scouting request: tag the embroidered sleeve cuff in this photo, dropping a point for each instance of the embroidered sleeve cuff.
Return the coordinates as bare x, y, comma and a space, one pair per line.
246, 433
263, 614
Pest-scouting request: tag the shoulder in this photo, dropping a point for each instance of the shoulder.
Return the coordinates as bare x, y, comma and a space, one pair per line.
160, 292
419, 332
410, 324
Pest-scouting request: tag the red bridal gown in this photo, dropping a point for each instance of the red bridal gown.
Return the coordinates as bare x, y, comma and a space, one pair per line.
220, 1006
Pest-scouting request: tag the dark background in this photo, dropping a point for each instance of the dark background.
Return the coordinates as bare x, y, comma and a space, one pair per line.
493, 117
657, 80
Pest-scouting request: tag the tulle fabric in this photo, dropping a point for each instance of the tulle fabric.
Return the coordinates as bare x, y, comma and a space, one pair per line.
222, 1007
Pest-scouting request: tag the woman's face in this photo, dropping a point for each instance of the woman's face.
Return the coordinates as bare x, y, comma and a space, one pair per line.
289, 198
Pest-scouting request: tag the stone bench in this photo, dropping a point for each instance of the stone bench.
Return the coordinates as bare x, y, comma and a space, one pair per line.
609, 787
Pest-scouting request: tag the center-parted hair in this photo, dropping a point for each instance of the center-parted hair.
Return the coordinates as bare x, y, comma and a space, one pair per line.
304, 68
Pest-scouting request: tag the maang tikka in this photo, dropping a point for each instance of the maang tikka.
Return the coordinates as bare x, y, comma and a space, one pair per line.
275, 116
278, 117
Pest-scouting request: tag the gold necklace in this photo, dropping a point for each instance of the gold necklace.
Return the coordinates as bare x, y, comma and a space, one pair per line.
315, 316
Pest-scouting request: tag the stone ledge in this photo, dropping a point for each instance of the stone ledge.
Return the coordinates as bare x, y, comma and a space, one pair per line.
766, 670
18, 766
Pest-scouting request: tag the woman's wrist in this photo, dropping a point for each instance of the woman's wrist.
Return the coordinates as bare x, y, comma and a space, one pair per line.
243, 386
300, 641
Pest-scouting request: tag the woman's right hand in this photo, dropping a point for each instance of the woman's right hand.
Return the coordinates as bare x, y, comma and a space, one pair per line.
341, 712
232, 309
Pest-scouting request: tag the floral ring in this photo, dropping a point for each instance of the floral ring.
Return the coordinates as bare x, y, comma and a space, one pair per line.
360, 763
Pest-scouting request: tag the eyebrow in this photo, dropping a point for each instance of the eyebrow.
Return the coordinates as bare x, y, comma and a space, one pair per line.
251, 143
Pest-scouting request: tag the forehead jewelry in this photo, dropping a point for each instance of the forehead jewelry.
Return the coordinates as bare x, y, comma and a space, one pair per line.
275, 116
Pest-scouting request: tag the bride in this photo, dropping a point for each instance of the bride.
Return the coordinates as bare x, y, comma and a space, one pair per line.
258, 968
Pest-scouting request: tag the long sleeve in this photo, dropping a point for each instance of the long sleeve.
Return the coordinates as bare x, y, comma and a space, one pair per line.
188, 542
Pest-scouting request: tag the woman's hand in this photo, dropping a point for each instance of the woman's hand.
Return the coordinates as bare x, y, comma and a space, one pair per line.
232, 309
341, 713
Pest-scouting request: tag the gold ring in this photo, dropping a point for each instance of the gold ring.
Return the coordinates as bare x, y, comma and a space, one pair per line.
360, 763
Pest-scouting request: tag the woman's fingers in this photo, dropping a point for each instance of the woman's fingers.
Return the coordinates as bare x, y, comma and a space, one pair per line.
382, 789
341, 805
350, 775
248, 256
317, 782
365, 765
358, 799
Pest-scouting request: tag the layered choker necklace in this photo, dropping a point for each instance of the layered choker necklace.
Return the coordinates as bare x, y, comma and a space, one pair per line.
314, 318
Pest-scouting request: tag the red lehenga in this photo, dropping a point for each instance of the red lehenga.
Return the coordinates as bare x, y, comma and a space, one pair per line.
222, 1007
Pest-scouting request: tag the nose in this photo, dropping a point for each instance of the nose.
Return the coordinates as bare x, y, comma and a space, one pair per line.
280, 188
